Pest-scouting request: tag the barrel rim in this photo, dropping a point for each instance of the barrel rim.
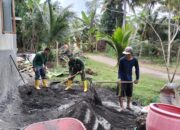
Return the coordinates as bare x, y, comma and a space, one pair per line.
59, 119
153, 106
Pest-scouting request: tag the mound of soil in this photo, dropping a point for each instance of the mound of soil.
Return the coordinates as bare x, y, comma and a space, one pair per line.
97, 109
54, 102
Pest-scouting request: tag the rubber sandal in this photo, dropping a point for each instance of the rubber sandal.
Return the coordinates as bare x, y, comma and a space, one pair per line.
130, 109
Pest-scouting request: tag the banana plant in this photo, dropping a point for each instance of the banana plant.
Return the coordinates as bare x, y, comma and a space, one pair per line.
58, 22
119, 39
89, 27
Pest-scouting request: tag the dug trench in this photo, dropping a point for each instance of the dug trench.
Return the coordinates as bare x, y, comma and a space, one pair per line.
98, 110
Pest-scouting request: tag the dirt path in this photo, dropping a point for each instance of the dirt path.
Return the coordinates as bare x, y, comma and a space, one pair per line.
112, 62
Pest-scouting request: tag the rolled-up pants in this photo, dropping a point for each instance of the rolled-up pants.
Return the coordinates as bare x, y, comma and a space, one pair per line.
40, 72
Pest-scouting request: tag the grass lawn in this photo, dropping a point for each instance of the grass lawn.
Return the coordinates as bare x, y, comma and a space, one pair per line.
146, 91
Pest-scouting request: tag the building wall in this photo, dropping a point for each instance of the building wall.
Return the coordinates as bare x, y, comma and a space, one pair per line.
8, 42
7, 33
0, 25
9, 78
0, 17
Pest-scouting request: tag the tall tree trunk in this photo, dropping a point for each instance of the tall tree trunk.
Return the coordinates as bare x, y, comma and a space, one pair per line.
96, 46
24, 46
51, 18
142, 36
91, 43
169, 39
57, 53
140, 51
124, 14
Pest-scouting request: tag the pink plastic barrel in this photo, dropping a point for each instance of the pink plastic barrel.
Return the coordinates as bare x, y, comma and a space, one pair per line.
58, 124
163, 117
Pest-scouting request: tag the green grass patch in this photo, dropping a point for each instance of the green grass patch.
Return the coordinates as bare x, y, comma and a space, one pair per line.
105, 72
147, 90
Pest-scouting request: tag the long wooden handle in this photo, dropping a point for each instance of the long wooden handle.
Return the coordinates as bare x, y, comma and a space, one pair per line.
70, 77
17, 68
113, 82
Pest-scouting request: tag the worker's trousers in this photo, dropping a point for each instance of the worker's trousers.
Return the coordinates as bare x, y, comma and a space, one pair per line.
40, 72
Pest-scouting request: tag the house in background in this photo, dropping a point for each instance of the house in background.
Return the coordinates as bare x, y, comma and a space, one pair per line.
9, 78
7, 26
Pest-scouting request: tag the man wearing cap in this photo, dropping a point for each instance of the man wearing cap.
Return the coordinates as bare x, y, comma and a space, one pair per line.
126, 64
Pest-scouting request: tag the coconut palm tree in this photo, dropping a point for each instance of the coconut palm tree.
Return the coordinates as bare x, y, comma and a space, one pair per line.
119, 39
57, 24
30, 29
112, 16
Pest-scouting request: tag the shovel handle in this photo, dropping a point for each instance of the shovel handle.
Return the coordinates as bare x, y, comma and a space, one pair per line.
126, 82
113, 82
17, 68
70, 77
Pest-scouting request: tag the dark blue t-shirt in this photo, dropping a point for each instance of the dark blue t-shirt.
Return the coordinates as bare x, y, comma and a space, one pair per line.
125, 69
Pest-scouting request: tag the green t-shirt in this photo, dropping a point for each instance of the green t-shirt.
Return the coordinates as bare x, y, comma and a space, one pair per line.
40, 59
75, 66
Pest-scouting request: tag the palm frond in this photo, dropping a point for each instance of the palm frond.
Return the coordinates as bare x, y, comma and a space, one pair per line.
118, 35
119, 39
85, 18
107, 38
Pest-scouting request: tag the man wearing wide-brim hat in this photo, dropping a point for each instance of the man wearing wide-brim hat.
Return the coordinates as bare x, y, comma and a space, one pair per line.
126, 64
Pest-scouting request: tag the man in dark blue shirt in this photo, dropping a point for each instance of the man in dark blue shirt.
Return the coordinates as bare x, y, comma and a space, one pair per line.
126, 64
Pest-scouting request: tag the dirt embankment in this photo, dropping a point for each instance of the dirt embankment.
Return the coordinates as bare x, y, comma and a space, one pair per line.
54, 102
30, 106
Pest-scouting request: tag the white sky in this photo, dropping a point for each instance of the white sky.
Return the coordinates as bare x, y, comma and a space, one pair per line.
77, 5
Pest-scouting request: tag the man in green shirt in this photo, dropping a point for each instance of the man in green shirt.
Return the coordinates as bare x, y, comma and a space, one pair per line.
76, 66
39, 67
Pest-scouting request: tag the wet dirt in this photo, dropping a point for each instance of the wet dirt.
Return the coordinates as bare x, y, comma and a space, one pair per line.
51, 103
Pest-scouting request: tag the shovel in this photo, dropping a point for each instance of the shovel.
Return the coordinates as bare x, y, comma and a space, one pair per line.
65, 80
17, 68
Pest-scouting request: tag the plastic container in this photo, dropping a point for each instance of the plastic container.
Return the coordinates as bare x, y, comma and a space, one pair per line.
58, 124
163, 117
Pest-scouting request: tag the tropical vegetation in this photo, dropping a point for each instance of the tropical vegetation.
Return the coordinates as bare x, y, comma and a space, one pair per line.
151, 27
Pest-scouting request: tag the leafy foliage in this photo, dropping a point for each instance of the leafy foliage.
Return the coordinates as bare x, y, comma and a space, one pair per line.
42, 23
88, 29
119, 39
112, 16
28, 30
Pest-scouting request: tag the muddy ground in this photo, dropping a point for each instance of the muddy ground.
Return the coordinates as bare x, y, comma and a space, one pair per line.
29, 106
